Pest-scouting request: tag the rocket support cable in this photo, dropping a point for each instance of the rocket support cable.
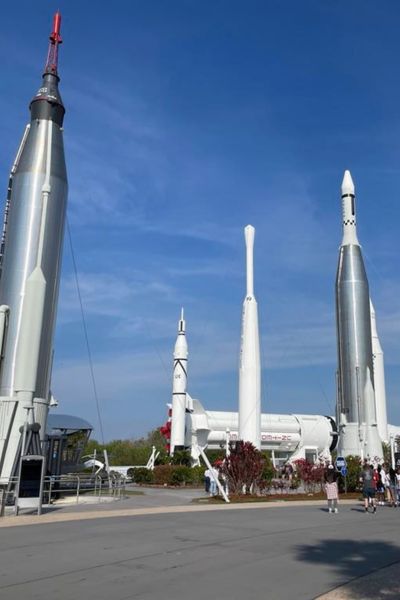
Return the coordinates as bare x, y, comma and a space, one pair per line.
85, 331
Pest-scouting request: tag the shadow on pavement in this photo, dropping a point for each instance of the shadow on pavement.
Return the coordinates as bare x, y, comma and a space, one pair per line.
352, 559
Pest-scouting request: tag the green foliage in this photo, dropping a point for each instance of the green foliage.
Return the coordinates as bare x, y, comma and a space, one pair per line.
354, 468
181, 457
181, 475
91, 446
162, 458
267, 474
198, 475
215, 456
142, 475
130, 452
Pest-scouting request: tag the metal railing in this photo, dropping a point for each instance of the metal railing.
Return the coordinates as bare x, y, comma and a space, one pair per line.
73, 487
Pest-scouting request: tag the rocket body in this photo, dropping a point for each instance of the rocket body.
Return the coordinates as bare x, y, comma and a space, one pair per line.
379, 379
179, 388
30, 270
249, 363
358, 432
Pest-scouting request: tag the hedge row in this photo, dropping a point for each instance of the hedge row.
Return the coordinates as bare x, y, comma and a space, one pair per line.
169, 475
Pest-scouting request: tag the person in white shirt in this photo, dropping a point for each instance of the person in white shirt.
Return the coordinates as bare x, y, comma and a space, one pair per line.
213, 481
385, 482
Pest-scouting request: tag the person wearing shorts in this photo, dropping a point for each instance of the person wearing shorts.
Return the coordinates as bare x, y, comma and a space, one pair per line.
369, 489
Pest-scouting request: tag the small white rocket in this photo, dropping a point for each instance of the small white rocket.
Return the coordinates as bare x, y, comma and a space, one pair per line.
379, 379
249, 366
179, 386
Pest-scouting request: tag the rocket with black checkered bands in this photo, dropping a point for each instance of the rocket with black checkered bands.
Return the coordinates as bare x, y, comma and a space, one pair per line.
356, 411
179, 387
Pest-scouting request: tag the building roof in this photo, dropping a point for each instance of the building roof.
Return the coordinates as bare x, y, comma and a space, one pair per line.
57, 422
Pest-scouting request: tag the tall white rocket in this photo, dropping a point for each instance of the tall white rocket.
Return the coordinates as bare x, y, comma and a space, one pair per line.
179, 386
249, 366
379, 379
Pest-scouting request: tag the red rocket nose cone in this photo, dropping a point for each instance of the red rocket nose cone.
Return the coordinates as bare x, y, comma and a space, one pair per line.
55, 40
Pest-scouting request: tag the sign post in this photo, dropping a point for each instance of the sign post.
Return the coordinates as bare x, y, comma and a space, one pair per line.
341, 465
29, 490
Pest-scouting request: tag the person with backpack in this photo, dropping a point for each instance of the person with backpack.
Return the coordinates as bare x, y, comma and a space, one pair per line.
369, 487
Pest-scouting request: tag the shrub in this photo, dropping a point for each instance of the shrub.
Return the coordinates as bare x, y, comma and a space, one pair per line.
181, 475
198, 475
354, 468
181, 457
243, 467
311, 475
267, 474
162, 474
142, 475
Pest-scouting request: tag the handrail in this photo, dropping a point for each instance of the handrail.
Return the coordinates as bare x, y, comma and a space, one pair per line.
68, 485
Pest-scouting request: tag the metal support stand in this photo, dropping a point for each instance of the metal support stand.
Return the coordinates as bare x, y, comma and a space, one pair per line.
207, 462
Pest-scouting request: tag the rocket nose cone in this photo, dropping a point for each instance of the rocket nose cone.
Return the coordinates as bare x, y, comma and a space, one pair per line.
249, 232
347, 184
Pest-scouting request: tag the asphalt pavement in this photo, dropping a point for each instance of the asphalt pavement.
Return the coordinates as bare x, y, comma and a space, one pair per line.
297, 552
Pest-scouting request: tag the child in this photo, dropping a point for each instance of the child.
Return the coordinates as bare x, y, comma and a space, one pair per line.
331, 489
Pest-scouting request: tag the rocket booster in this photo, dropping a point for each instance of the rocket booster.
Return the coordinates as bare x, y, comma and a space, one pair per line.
249, 364
179, 387
31, 262
358, 432
379, 379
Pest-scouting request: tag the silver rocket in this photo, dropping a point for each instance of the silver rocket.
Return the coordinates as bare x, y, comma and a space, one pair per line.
31, 262
358, 432
249, 364
179, 387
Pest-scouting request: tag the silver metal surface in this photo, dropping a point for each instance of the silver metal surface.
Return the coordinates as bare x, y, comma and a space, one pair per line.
34, 241
357, 416
21, 250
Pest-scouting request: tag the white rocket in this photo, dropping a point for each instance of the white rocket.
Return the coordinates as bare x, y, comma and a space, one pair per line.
179, 386
249, 366
379, 379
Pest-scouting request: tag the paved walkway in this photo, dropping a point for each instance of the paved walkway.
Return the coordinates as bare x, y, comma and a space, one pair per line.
271, 550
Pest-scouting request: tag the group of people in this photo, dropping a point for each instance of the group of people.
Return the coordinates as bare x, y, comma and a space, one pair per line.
380, 485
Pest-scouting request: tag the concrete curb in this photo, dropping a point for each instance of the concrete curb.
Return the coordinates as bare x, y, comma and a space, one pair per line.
159, 510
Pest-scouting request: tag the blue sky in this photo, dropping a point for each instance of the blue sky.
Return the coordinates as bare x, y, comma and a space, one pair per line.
185, 122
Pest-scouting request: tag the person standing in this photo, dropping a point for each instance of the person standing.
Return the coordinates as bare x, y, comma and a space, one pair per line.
207, 477
392, 487
380, 488
398, 485
213, 481
368, 490
386, 481
331, 489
